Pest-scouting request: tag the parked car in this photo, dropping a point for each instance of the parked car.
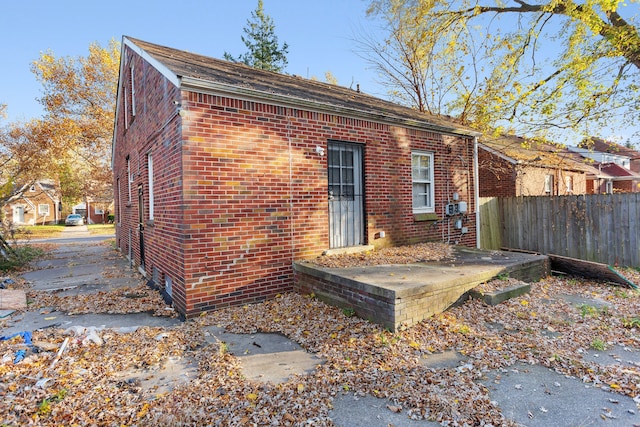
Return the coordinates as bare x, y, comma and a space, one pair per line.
74, 219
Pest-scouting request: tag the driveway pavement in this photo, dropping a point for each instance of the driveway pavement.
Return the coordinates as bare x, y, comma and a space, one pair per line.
529, 395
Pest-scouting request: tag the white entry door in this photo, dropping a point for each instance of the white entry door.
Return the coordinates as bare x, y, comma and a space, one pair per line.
18, 215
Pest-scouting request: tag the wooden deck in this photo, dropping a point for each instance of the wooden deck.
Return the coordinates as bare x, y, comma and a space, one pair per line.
397, 295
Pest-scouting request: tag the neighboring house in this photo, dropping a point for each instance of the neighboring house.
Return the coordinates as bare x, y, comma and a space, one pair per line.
36, 203
617, 168
225, 175
97, 213
514, 166
603, 151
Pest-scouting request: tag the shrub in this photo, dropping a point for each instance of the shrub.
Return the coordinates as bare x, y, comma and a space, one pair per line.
22, 256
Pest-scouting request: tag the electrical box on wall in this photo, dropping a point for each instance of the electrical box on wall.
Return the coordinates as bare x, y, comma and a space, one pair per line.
456, 208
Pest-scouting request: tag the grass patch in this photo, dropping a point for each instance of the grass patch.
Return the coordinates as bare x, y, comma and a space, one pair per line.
101, 229
37, 232
23, 255
598, 344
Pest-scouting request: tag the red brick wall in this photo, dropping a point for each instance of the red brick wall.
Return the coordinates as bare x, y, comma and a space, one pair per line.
496, 176
242, 193
156, 129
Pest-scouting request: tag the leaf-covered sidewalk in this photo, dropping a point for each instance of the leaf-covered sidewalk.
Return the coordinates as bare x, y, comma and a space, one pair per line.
124, 381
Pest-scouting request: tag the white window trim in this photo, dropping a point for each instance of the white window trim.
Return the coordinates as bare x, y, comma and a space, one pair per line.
119, 201
129, 179
133, 92
430, 181
41, 211
568, 182
609, 187
150, 170
548, 183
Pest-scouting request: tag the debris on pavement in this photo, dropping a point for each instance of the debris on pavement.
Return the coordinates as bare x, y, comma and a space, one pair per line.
149, 376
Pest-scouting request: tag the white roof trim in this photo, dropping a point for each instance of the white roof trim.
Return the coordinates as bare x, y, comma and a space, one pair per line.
499, 154
170, 75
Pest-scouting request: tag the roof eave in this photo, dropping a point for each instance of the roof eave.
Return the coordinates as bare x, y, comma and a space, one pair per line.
195, 84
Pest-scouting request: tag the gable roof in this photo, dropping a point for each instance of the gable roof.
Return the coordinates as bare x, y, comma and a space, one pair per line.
200, 73
617, 172
603, 146
46, 186
519, 150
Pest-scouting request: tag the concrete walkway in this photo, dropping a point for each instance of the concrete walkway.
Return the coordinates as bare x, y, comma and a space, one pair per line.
528, 395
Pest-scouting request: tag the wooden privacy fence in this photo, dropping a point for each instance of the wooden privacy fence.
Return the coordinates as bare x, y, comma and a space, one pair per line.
602, 228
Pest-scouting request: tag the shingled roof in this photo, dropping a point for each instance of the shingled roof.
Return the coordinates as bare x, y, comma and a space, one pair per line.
191, 71
521, 150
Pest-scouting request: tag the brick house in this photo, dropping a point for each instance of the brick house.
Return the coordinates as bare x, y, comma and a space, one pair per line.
617, 168
225, 175
32, 204
514, 166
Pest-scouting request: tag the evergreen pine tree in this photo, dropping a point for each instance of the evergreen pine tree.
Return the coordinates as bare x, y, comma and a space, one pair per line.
262, 44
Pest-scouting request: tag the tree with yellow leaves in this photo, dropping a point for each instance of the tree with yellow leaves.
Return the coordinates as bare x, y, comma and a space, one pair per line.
533, 67
79, 102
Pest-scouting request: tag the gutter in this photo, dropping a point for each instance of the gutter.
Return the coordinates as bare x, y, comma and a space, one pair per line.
476, 189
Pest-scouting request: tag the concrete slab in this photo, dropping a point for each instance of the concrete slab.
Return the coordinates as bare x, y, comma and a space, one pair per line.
266, 357
402, 295
32, 320
533, 395
368, 411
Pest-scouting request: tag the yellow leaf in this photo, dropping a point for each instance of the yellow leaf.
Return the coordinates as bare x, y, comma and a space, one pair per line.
414, 344
524, 302
614, 386
300, 388
252, 397
142, 412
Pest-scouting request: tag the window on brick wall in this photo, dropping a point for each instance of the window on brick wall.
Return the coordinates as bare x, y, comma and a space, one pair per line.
129, 179
118, 201
422, 182
150, 171
609, 187
129, 94
548, 184
568, 182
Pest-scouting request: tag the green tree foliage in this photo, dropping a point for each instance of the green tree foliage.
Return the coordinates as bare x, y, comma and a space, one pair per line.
262, 44
532, 67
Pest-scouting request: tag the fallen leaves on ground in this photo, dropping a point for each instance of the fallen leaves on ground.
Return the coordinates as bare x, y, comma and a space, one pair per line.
108, 384
432, 251
129, 299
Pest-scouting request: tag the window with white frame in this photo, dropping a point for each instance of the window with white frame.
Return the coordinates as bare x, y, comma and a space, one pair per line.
422, 182
548, 184
150, 171
129, 179
568, 182
118, 201
32, 189
133, 92
43, 210
609, 187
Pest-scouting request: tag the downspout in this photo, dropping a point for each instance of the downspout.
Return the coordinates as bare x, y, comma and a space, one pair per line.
476, 189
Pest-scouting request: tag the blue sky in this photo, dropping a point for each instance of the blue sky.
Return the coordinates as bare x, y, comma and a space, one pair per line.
319, 34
